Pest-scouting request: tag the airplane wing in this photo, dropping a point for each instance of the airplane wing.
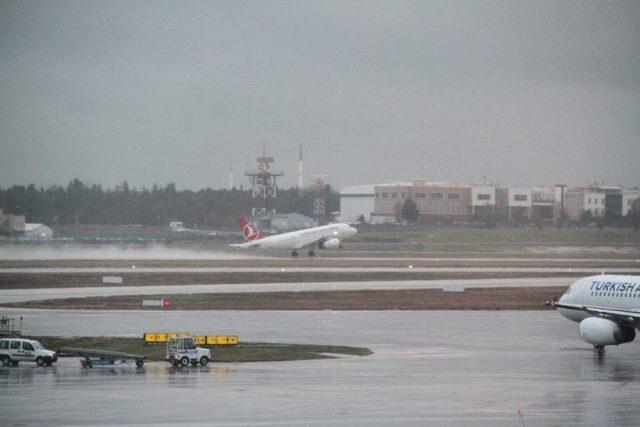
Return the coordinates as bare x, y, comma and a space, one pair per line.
309, 241
245, 245
621, 315
303, 245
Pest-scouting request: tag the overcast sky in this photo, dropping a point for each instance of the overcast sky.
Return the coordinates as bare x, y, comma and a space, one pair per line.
154, 92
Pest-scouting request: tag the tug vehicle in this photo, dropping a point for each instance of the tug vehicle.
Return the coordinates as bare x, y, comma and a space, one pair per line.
182, 350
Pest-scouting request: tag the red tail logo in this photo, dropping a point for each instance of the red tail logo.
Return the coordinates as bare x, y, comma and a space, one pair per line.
249, 232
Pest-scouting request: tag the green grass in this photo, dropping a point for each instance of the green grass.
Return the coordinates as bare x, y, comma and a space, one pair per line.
243, 352
433, 234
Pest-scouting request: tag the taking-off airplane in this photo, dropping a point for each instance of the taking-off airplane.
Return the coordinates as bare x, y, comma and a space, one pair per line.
606, 306
328, 236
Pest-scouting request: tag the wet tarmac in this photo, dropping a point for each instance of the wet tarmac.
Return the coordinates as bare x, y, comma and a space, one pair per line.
449, 368
58, 251
159, 251
20, 295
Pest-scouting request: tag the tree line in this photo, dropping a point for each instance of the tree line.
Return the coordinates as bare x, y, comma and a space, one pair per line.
79, 203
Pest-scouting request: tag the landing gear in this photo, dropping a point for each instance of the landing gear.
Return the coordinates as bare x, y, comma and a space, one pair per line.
294, 253
599, 350
312, 252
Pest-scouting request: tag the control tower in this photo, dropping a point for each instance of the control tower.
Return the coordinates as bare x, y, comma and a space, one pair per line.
319, 199
264, 187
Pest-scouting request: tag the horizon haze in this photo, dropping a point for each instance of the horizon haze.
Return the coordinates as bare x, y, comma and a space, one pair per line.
523, 93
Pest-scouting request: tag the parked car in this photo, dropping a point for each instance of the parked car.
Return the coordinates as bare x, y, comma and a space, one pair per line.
16, 350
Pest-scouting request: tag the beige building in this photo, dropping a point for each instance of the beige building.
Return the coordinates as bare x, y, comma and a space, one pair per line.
579, 200
388, 201
461, 201
449, 200
434, 200
542, 202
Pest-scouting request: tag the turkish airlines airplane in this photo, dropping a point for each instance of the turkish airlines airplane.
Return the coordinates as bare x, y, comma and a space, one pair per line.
606, 306
325, 237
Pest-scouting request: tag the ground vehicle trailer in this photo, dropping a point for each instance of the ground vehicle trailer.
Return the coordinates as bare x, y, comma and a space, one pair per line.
16, 350
183, 350
97, 357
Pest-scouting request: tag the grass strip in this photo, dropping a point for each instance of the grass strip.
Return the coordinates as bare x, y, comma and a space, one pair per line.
498, 298
243, 352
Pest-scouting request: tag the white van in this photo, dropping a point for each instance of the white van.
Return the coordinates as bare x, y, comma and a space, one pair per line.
16, 350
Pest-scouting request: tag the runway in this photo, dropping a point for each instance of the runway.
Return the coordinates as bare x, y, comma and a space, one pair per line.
445, 368
428, 367
306, 269
21, 295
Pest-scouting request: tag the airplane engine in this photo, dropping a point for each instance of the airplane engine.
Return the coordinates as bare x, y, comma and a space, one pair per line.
330, 244
599, 331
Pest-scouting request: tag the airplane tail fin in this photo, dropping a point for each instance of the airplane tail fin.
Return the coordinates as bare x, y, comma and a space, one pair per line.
249, 231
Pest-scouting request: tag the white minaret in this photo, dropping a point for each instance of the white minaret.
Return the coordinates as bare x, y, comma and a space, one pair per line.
300, 170
231, 177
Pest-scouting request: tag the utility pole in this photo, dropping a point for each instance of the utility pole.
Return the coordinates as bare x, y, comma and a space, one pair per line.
562, 214
300, 170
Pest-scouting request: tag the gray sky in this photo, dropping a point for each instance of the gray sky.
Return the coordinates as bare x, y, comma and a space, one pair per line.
523, 92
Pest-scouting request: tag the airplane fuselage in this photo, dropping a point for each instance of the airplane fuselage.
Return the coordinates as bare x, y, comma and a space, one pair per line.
303, 238
615, 292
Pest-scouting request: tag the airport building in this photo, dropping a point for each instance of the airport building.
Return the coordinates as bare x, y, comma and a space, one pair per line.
281, 223
514, 203
542, 202
37, 231
483, 199
610, 201
627, 199
577, 201
457, 201
11, 224
389, 199
434, 200
442, 200
355, 202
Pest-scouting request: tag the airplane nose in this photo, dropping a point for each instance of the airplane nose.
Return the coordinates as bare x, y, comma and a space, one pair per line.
563, 298
574, 315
